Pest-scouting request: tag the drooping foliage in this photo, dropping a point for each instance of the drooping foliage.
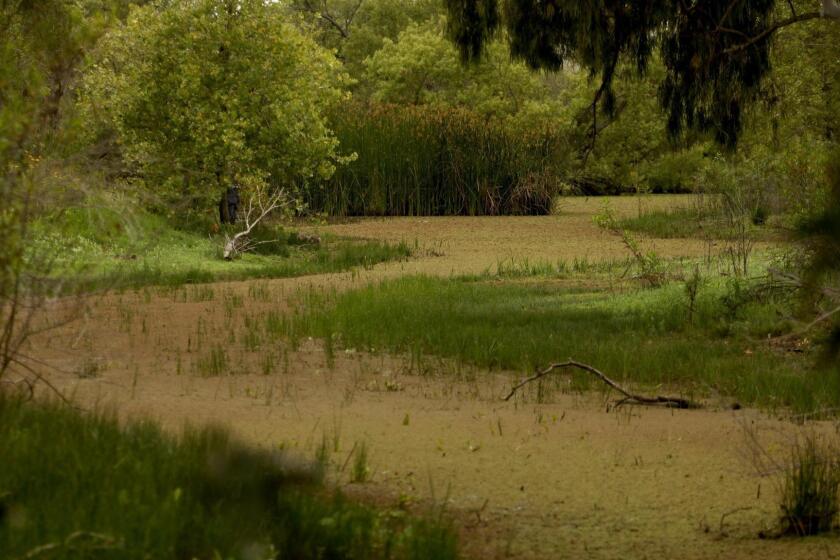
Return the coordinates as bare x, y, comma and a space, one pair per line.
715, 52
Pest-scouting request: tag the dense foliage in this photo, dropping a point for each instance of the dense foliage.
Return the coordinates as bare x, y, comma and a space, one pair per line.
205, 92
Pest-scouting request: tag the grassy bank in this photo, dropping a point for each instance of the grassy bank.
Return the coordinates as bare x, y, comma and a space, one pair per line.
80, 486
101, 249
644, 336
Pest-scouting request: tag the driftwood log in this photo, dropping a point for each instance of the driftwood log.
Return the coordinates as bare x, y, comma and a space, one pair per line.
629, 398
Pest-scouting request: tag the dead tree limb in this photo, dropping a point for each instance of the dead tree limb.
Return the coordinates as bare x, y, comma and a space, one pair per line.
629, 398
260, 205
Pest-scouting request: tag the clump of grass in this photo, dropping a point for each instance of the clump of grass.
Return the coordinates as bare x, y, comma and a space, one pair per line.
322, 455
361, 471
268, 363
202, 293
83, 485
666, 224
811, 492
215, 363
258, 292
89, 369
251, 336
524, 268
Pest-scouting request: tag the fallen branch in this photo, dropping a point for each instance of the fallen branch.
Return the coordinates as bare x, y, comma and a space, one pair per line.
673, 402
260, 205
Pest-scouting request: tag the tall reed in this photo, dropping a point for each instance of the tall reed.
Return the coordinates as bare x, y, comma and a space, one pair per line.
438, 161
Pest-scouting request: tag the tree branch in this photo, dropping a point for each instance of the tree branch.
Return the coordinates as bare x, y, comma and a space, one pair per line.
772, 29
606, 83
674, 402
239, 242
726, 14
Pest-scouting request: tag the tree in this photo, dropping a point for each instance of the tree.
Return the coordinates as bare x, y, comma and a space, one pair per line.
715, 52
421, 67
207, 91
41, 45
357, 28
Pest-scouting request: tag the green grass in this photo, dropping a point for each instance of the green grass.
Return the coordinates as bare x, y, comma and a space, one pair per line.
666, 224
642, 336
697, 223
101, 249
513, 268
82, 486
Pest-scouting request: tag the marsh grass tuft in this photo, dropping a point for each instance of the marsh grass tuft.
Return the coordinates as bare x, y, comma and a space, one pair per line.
215, 363
811, 491
361, 471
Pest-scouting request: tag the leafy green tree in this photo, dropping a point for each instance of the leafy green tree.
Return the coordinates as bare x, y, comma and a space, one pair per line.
422, 67
356, 29
203, 91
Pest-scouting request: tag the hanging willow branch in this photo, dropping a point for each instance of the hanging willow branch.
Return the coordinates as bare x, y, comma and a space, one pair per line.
629, 398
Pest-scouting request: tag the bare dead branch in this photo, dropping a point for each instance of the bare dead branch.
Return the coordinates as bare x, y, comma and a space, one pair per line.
260, 205
41, 379
629, 398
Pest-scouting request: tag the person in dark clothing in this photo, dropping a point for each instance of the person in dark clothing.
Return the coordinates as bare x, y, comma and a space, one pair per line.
228, 205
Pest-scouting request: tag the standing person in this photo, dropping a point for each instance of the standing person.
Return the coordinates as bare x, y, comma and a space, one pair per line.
232, 197
228, 205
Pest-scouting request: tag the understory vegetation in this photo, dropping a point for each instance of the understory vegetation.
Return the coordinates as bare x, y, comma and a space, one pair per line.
79, 485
